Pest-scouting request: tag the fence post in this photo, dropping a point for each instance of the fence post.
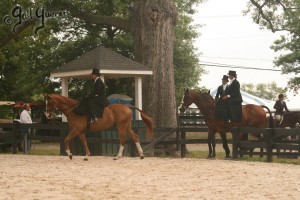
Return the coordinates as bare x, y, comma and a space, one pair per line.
298, 137
269, 145
62, 132
177, 139
15, 129
235, 143
25, 143
183, 145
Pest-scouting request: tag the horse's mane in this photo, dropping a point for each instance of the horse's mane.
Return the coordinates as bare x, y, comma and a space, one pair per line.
63, 99
207, 95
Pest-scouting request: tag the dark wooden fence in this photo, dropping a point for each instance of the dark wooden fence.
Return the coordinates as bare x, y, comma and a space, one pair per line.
175, 138
107, 142
11, 134
274, 142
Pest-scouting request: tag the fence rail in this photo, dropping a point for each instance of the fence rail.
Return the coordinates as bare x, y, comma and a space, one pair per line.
107, 142
273, 142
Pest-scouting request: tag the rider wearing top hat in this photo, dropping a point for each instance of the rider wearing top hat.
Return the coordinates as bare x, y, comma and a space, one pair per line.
221, 105
94, 105
234, 98
98, 100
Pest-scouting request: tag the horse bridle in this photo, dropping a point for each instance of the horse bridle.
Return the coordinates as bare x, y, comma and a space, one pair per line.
49, 100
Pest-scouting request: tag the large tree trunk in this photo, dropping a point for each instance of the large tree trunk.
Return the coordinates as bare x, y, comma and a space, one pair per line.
153, 28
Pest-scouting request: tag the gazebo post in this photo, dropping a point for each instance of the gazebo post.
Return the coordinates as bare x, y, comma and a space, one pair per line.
111, 65
138, 96
64, 92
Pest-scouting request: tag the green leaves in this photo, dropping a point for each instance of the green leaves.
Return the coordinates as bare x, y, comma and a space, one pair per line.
282, 15
267, 91
27, 61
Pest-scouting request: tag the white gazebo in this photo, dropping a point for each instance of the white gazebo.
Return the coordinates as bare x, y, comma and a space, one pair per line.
110, 64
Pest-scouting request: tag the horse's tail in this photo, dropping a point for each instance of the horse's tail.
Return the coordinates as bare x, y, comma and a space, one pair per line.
271, 125
148, 121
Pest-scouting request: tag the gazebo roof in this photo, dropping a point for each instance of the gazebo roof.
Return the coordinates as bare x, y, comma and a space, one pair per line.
110, 64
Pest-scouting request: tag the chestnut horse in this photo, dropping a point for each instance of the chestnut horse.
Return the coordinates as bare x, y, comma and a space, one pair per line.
253, 116
114, 115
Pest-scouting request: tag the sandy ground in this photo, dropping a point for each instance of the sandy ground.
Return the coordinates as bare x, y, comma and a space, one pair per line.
57, 177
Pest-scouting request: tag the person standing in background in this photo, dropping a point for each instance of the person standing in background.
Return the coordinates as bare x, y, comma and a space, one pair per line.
25, 118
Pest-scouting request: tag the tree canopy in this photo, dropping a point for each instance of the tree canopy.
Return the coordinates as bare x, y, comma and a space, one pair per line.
281, 16
27, 60
267, 91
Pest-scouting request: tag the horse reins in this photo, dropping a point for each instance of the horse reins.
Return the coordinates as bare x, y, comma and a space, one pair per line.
62, 110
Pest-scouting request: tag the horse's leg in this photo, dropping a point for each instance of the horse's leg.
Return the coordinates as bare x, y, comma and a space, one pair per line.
211, 144
214, 144
121, 133
85, 146
72, 134
209, 141
135, 138
225, 145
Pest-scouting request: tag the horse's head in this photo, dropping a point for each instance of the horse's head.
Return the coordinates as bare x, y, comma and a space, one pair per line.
186, 101
50, 106
202, 100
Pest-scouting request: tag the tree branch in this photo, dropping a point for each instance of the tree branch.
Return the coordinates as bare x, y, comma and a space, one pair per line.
20, 28
120, 23
282, 5
266, 18
261, 13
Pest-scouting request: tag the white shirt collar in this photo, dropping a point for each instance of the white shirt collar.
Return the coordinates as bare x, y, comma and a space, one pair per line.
96, 79
230, 81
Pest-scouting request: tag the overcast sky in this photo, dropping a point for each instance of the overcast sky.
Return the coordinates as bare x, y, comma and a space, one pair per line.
229, 38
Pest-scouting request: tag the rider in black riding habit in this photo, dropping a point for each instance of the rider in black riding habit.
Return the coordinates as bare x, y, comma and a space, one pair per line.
233, 98
94, 105
221, 105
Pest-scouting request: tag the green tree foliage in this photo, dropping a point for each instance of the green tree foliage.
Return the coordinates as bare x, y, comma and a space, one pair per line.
187, 68
268, 91
27, 60
281, 15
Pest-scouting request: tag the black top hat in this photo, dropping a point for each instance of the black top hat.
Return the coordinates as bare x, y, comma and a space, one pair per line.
232, 73
225, 78
96, 72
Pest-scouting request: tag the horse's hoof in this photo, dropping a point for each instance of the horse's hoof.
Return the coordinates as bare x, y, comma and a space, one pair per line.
85, 159
211, 157
142, 156
71, 156
228, 158
116, 157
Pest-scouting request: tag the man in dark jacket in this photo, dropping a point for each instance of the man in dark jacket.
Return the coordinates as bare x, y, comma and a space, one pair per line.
97, 100
221, 105
94, 105
234, 98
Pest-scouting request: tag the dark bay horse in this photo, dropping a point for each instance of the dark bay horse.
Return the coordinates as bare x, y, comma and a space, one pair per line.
253, 116
290, 119
114, 115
